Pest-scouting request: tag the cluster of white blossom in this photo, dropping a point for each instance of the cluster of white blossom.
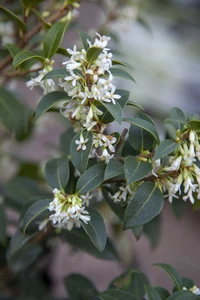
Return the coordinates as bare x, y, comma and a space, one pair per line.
122, 195
195, 290
69, 210
184, 162
48, 85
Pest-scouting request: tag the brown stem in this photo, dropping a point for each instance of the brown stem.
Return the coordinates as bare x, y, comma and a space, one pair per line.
18, 73
121, 141
26, 38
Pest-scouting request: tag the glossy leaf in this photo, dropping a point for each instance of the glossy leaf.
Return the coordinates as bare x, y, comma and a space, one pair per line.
183, 295
48, 101
13, 49
79, 287
137, 231
85, 38
135, 170
121, 73
165, 148
56, 74
152, 293
124, 97
53, 38
194, 124
24, 56
164, 294
113, 169
136, 287
116, 294
187, 282
80, 157
93, 53
116, 208
65, 141
146, 203
13, 17
96, 229
147, 126
91, 178
57, 172
79, 239
177, 118
173, 274
120, 63
33, 212
134, 104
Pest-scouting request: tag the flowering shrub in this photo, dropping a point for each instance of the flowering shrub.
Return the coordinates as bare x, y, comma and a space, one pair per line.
132, 170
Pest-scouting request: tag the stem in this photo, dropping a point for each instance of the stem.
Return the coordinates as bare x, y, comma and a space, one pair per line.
26, 38
17, 73
121, 141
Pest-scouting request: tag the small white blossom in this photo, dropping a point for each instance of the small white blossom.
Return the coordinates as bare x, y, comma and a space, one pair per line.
81, 143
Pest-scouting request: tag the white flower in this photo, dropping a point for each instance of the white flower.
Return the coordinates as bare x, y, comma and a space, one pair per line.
110, 96
175, 165
81, 143
86, 199
106, 156
72, 78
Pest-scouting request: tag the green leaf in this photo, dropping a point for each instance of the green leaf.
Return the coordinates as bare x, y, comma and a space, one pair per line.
14, 18
124, 97
153, 231
31, 3
113, 169
122, 282
56, 74
194, 124
91, 178
3, 224
136, 287
177, 118
92, 54
48, 101
63, 51
187, 282
53, 38
57, 172
137, 231
152, 293
120, 63
164, 294
84, 38
14, 115
121, 73
135, 170
146, 203
173, 274
114, 109
116, 208
183, 295
96, 229
24, 56
116, 294
79, 239
13, 49
80, 157
132, 103
147, 126
33, 212
165, 148
79, 287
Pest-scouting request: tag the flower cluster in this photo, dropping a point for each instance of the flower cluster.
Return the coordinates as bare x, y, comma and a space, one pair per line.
48, 85
122, 195
184, 162
69, 210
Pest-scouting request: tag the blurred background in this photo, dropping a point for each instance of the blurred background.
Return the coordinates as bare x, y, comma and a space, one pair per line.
160, 40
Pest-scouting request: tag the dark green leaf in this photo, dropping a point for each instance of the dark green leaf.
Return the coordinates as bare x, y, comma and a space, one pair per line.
65, 140
146, 203
173, 274
79, 287
187, 282
152, 293
121, 73
57, 172
13, 49
56, 74
137, 231
114, 109
113, 169
24, 56
79, 239
177, 118
91, 178
164, 294
124, 97
14, 18
135, 170
33, 212
92, 54
48, 101
53, 38
120, 63
116, 294
31, 3
80, 157
96, 229
165, 148
147, 126
117, 209
132, 103
183, 295
3, 224
85, 38
153, 231
136, 287
63, 51
194, 124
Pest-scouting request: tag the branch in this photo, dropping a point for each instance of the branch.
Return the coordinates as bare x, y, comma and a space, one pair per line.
122, 137
26, 38
18, 73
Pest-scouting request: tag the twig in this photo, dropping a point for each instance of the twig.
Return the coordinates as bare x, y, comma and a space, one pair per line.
122, 137
26, 38
18, 73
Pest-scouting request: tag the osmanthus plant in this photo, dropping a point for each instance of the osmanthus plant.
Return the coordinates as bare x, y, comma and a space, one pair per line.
132, 170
